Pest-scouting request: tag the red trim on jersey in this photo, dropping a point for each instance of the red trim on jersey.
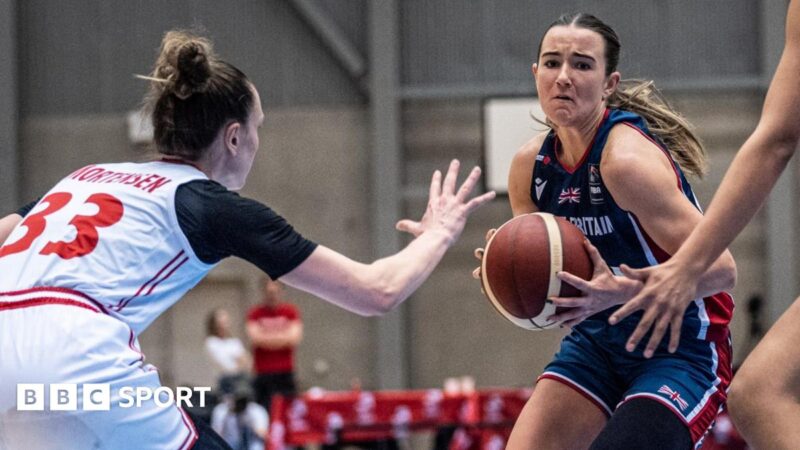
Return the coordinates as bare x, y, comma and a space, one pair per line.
124, 302
577, 388
586, 152
131, 340
62, 290
659, 253
44, 301
191, 439
183, 261
666, 152
719, 308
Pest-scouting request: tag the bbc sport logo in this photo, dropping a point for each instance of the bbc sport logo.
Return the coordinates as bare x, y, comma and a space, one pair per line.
97, 397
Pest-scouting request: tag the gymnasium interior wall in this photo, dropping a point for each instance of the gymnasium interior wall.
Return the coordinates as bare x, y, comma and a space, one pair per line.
74, 66
312, 168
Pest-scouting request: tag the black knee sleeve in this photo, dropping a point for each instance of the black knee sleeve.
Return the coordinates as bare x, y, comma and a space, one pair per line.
643, 424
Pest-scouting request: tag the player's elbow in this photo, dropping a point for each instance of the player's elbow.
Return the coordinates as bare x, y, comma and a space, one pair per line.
383, 300
729, 272
779, 143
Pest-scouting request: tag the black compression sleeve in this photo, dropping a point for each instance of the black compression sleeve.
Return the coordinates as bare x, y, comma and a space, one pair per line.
24, 210
220, 223
643, 424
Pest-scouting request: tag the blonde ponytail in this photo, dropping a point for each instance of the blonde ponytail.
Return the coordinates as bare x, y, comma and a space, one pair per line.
642, 98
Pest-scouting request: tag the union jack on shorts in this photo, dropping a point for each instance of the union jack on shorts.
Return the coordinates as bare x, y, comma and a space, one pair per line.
674, 396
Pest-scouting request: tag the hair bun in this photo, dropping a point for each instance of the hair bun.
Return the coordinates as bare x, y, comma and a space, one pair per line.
183, 66
194, 69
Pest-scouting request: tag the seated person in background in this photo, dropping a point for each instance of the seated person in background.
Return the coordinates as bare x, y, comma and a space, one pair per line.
275, 329
228, 356
240, 421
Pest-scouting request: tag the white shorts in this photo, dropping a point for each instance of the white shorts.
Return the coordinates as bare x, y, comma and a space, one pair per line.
52, 336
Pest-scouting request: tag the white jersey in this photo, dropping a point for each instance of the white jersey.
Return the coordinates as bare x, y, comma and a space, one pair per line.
109, 232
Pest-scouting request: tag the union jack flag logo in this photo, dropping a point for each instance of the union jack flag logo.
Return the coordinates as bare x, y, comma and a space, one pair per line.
674, 396
572, 195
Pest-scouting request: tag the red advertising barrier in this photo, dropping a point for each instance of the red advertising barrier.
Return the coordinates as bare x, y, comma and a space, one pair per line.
484, 418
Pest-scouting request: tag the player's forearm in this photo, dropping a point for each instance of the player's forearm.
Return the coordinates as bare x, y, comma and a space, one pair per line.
721, 276
739, 197
7, 224
394, 278
370, 289
272, 343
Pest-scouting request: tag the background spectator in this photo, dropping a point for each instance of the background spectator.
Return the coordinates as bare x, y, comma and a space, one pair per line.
228, 356
275, 329
240, 421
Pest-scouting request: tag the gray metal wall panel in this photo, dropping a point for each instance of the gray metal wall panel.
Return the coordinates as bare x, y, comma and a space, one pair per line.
351, 17
79, 58
453, 41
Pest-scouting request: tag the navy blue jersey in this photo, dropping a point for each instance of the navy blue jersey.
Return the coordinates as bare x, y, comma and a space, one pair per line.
579, 194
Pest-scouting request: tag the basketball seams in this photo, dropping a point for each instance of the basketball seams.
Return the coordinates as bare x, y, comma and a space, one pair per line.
556, 265
553, 247
487, 288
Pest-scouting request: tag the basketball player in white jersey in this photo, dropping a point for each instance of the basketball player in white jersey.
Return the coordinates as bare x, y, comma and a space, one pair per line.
110, 247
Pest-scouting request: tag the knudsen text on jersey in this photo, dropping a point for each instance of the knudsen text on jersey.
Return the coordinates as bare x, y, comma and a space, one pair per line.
143, 181
593, 226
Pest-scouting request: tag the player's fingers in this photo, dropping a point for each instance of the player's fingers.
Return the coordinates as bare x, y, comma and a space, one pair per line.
640, 331
569, 314
675, 332
478, 254
436, 186
490, 233
576, 282
634, 274
469, 184
658, 334
599, 263
409, 226
449, 185
568, 302
628, 308
476, 273
479, 201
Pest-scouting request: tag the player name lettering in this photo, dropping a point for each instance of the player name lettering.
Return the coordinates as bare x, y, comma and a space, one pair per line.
146, 182
593, 226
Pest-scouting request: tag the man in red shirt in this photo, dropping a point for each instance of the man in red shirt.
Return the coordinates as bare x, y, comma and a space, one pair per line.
275, 329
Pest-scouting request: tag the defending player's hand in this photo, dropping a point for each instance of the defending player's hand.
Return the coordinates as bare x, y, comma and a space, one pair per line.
666, 294
448, 209
479, 255
603, 291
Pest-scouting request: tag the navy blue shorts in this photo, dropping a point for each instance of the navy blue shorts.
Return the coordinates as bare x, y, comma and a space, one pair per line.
691, 382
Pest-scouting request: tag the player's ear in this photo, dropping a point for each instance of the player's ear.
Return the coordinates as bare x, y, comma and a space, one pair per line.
612, 81
232, 138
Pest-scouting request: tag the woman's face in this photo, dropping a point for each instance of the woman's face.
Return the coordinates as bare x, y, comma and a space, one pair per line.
223, 322
570, 75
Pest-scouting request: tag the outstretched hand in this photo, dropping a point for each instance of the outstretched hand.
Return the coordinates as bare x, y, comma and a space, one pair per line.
603, 291
666, 294
448, 209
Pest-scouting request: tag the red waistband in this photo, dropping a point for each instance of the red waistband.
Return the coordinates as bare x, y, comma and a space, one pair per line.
40, 296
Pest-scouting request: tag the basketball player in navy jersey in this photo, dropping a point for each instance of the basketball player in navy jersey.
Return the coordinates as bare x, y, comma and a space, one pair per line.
613, 164
765, 394
108, 249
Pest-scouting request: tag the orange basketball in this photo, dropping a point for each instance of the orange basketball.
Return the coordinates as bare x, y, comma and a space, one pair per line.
520, 262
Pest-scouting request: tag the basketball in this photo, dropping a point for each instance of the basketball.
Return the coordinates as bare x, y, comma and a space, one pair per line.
520, 263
